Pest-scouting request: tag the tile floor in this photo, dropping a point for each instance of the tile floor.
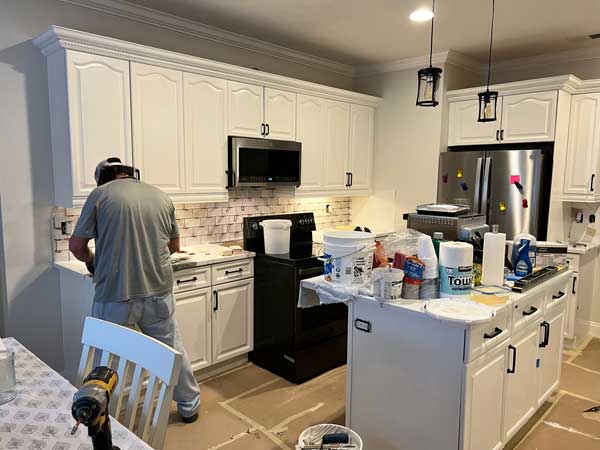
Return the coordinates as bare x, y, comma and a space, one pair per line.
252, 409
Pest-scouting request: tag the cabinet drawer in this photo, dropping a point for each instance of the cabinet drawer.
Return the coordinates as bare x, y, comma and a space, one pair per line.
557, 296
573, 261
196, 278
231, 271
527, 310
486, 336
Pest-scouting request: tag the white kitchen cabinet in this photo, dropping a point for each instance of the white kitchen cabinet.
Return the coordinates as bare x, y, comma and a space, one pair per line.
90, 114
336, 140
311, 132
583, 149
280, 114
158, 138
464, 129
483, 405
360, 157
550, 353
232, 318
246, 111
529, 117
205, 103
193, 311
522, 379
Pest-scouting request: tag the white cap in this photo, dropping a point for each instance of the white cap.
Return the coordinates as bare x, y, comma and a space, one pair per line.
105, 163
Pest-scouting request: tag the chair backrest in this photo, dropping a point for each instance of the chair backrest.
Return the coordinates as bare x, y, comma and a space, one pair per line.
136, 357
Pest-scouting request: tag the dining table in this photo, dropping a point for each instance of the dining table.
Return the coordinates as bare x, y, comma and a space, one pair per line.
39, 417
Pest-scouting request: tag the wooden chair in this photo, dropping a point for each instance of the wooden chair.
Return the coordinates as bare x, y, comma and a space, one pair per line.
124, 350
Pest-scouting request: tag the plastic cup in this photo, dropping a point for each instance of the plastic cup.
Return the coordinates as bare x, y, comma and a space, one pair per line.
8, 380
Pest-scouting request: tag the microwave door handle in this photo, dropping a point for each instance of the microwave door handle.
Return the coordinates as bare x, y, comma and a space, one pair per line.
486, 185
476, 195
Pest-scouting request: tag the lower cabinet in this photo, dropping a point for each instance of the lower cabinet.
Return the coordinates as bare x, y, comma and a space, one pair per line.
232, 315
193, 310
484, 394
551, 353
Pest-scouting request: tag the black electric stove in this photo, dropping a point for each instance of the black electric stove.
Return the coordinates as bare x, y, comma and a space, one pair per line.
295, 343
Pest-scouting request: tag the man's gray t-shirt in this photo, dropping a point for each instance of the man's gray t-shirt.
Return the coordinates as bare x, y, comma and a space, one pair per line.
132, 223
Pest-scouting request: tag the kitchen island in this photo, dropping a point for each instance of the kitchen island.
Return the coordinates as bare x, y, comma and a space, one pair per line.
419, 382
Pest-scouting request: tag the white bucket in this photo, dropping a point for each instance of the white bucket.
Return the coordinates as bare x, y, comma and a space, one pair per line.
348, 257
314, 435
387, 284
276, 235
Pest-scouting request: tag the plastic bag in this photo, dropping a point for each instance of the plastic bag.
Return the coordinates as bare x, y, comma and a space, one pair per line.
401, 244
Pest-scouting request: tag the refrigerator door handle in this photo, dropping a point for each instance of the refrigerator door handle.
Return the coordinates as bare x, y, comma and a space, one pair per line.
476, 196
486, 185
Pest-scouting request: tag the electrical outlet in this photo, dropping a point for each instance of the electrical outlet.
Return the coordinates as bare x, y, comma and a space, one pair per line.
66, 227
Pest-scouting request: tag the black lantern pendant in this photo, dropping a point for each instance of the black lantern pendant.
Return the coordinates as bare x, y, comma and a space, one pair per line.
488, 100
429, 78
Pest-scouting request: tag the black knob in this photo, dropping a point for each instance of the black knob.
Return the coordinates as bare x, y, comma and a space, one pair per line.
255, 226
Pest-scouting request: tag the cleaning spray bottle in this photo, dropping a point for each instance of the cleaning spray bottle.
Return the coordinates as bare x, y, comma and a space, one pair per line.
522, 265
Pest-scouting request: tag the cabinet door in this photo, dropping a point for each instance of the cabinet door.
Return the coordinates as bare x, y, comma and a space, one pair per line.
484, 391
463, 128
361, 146
233, 316
520, 399
100, 115
551, 356
245, 109
311, 133
205, 133
529, 117
583, 150
280, 114
337, 131
193, 311
157, 112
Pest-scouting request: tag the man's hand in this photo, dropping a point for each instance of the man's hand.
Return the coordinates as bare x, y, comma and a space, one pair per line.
79, 248
174, 245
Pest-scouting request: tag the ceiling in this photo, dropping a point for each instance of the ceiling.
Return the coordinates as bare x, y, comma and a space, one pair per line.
357, 32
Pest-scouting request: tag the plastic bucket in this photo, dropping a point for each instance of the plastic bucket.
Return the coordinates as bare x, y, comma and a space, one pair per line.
348, 257
387, 284
276, 235
314, 435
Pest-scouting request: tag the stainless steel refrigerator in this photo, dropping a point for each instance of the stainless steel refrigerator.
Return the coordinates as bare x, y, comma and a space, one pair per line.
510, 186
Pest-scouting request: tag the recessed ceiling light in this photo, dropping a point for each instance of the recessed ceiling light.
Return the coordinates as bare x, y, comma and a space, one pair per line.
421, 15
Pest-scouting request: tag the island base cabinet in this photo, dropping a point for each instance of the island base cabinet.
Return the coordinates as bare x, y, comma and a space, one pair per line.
484, 394
551, 354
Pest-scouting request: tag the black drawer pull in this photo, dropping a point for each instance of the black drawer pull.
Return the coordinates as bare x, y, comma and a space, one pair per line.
574, 283
546, 326
513, 369
216, 307
493, 334
229, 272
530, 311
363, 325
191, 280
559, 295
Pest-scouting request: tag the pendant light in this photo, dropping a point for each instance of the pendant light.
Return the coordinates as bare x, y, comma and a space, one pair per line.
488, 100
429, 78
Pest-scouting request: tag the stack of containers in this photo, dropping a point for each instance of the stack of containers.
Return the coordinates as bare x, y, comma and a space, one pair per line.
430, 288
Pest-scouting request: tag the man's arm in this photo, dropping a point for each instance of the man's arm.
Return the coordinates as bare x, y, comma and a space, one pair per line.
79, 247
174, 245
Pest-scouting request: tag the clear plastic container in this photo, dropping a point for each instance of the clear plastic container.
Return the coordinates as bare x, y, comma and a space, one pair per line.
8, 380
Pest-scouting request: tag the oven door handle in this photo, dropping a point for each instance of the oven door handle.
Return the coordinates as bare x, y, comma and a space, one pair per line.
314, 271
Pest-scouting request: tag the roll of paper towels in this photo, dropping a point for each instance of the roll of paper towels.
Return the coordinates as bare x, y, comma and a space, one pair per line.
494, 246
456, 269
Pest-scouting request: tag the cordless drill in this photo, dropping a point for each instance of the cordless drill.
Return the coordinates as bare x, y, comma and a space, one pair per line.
90, 406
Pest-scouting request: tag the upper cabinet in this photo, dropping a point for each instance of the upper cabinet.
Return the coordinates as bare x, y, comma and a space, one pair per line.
583, 149
310, 132
521, 118
205, 107
280, 114
360, 157
246, 115
336, 140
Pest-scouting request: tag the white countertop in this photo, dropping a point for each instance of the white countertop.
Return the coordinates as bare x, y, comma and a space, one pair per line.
581, 250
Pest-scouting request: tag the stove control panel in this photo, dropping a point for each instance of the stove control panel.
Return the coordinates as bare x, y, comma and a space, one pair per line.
301, 222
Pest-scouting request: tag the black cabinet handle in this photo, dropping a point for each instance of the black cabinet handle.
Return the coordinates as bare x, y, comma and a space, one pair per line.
216, 307
513, 369
228, 272
573, 288
363, 325
262, 129
546, 326
347, 179
268, 130
501, 135
351, 179
138, 175
559, 295
493, 334
497, 135
530, 311
592, 182
191, 280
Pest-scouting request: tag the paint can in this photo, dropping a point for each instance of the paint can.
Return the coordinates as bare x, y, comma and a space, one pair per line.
387, 284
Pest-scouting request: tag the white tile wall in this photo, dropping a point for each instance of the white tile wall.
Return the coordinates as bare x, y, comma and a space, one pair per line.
201, 223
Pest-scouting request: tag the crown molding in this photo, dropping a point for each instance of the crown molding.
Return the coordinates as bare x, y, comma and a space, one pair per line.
189, 27
567, 83
57, 39
562, 57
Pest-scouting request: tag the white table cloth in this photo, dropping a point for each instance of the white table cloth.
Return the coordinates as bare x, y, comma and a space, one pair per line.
39, 418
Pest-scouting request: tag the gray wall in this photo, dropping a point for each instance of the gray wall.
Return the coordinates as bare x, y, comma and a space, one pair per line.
30, 293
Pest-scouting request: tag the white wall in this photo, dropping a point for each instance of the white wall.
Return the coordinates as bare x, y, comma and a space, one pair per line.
31, 291
586, 70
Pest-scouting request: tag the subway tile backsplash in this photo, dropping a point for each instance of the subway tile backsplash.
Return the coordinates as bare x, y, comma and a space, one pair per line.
201, 223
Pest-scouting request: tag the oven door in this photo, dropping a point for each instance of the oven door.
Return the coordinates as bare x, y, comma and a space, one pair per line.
318, 323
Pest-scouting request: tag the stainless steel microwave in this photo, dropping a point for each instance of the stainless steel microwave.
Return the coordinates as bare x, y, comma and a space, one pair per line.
255, 162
